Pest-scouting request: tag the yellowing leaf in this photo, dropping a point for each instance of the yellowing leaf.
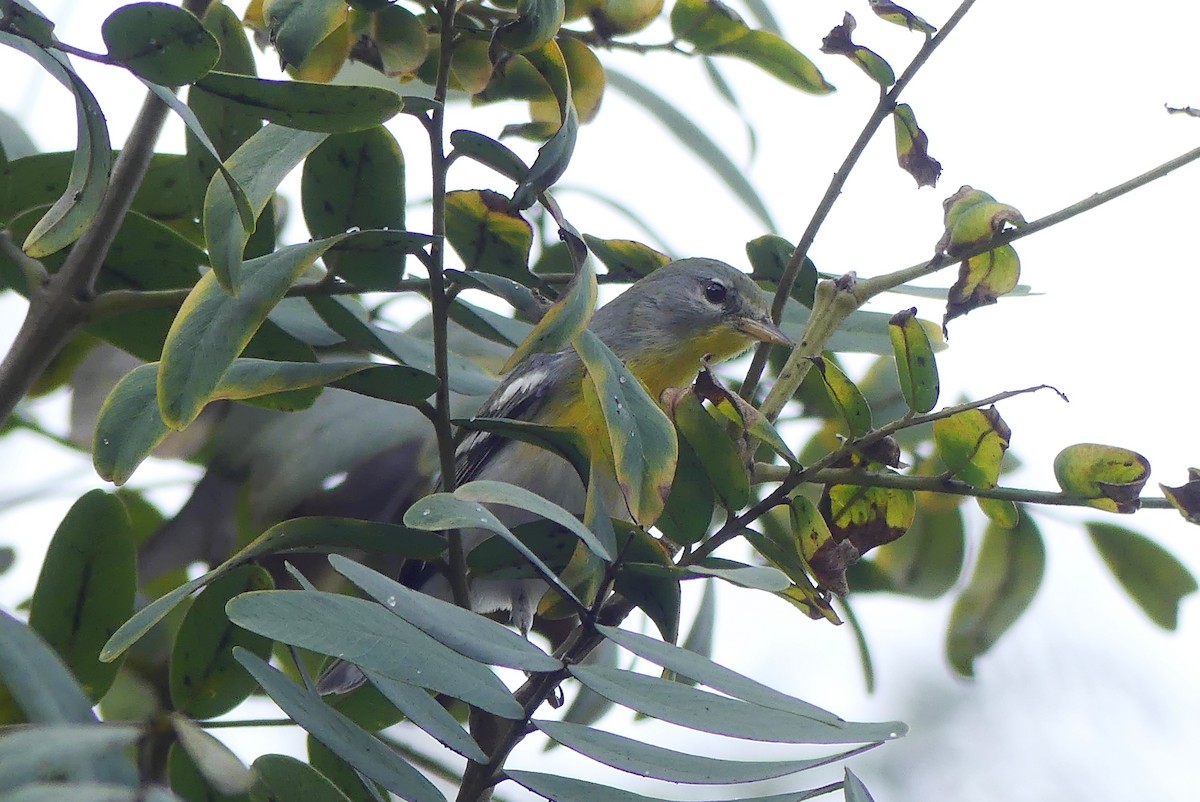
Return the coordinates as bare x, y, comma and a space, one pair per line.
625, 257
912, 148
838, 42
914, 360
488, 235
973, 218
774, 55
900, 16
849, 401
981, 280
707, 24
971, 444
564, 321
1112, 477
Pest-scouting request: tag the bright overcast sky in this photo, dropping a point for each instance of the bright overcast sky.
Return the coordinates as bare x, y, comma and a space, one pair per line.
1039, 104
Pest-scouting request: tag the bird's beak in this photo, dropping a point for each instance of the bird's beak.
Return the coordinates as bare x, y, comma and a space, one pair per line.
763, 330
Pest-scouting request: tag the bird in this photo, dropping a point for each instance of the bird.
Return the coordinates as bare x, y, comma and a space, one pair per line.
664, 328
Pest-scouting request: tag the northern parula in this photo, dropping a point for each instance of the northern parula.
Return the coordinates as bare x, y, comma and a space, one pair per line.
664, 328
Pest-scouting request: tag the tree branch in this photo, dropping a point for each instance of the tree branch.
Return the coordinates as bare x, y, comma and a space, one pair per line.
885, 106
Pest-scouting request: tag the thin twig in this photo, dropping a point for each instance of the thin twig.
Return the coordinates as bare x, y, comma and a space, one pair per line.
885, 106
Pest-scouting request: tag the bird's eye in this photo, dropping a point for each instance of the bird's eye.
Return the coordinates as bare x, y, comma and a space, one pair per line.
715, 292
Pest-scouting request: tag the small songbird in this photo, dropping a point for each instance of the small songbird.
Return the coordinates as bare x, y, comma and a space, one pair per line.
664, 328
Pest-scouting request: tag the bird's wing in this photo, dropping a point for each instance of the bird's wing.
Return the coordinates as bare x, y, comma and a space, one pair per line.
520, 397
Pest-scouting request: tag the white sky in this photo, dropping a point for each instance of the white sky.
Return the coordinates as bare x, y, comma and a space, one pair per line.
1040, 104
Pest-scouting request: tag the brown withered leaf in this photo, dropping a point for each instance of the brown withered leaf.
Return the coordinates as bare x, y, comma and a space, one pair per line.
1186, 497
912, 148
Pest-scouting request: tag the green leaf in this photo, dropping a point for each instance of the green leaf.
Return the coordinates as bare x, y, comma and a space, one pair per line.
442, 511
847, 399
562, 440
488, 151
160, 42
914, 361
364, 633
555, 155
306, 106
465, 632
695, 140
901, 16
296, 27
356, 181
569, 789
86, 587
1007, 574
647, 577
219, 766
689, 509
772, 54
1003, 513
563, 322
640, 435
284, 778
205, 679
257, 166
1112, 477
45, 751
488, 235
625, 257
647, 760
36, 678
1151, 575
706, 25
769, 256
348, 318
854, 789
709, 712
424, 711
912, 148
717, 453
755, 577
537, 22
212, 328
972, 444
356, 746
501, 493
71, 214
21, 18
299, 534
716, 676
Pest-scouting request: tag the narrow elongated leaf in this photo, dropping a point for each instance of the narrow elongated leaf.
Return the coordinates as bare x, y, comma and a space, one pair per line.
716, 452
849, 401
44, 751
354, 745
212, 328
562, 440
555, 155
86, 587
1151, 575
1007, 574
708, 712
774, 55
488, 151
306, 106
241, 203
569, 789
648, 760
257, 167
714, 675
755, 577
536, 23
205, 679
442, 511
465, 632
641, 437
564, 321
287, 779
37, 679
299, 534
854, 789
366, 634
70, 215
695, 140
423, 710
215, 761
356, 181
160, 42
914, 361
493, 492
